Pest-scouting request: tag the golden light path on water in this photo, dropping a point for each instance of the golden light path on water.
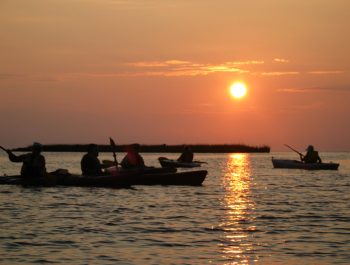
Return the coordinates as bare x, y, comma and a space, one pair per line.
237, 247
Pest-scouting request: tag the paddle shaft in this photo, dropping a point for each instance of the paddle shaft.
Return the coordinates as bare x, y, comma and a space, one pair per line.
294, 150
3, 148
113, 150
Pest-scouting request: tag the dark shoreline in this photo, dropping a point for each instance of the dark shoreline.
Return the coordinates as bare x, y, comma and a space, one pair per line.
197, 148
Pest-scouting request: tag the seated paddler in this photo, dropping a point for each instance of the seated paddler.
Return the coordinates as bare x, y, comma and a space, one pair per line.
90, 164
186, 156
34, 165
132, 159
311, 156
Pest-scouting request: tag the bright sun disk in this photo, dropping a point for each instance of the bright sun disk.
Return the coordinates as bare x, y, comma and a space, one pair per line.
238, 90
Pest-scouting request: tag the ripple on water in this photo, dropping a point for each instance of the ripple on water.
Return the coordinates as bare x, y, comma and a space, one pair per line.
245, 213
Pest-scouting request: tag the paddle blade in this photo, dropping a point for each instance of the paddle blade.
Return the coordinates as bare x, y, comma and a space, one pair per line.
112, 143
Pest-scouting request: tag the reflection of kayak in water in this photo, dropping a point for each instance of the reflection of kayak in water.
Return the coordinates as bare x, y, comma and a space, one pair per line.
121, 180
286, 163
165, 162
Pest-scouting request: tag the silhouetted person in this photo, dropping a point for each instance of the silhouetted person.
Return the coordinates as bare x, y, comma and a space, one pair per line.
311, 156
132, 158
186, 156
33, 163
90, 164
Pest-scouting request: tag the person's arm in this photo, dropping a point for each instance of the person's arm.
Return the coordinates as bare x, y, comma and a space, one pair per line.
190, 156
319, 160
142, 162
83, 165
125, 163
42, 164
98, 167
14, 158
181, 157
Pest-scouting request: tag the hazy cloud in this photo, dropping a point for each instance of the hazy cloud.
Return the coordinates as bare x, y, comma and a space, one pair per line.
293, 90
326, 72
177, 62
279, 73
314, 89
148, 64
187, 68
281, 60
179, 67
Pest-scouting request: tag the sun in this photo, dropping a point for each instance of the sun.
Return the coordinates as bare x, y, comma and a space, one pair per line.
238, 90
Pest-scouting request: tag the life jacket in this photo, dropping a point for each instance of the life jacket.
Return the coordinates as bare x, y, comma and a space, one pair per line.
311, 157
132, 160
90, 165
33, 166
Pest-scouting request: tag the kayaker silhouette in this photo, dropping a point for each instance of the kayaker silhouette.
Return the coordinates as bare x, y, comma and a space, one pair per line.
132, 158
186, 156
90, 164
311, 156
34, 165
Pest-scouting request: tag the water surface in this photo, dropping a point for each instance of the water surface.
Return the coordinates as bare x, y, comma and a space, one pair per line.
246, 212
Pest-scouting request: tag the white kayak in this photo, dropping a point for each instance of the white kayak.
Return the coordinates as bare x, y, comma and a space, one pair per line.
165, 162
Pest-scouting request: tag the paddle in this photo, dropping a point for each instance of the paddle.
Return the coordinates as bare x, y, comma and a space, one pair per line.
300, 154
112, 143
7, 151
108, 163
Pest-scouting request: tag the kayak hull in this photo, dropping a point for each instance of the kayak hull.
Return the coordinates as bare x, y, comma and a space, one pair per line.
169, 163
122, 180
146, 170
294, 164
189, 178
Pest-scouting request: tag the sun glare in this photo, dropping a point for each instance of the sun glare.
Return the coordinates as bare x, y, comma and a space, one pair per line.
238, 90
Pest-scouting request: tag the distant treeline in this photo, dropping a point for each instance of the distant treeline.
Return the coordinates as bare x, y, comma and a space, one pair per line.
163, 148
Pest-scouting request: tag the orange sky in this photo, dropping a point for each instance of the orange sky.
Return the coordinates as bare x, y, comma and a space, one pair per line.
159, 71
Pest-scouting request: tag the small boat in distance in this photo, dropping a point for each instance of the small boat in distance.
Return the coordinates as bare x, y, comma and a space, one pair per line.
166, 163
295, 164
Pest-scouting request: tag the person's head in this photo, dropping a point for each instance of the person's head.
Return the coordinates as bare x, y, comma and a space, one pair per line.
186, 148
133, 148
37, 148
92, 149
310, 148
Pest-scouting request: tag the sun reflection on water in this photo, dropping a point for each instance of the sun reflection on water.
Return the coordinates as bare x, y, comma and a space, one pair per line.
237, 225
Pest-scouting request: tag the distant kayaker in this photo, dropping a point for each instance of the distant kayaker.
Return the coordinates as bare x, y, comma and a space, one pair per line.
311, 156
132, 158
186, 156
90, 164
33, 163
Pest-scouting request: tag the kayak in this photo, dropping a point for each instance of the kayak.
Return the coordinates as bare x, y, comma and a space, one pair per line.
188, 178
121, 180
169, 163
295, 164
113, 170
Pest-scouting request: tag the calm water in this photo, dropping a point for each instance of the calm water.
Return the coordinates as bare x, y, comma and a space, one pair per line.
245, 213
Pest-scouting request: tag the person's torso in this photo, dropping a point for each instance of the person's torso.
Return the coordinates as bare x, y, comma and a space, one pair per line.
311, 157
33, 165
90, 165
132, 160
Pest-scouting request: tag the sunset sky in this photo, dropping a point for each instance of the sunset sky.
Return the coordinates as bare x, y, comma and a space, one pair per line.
159, 71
